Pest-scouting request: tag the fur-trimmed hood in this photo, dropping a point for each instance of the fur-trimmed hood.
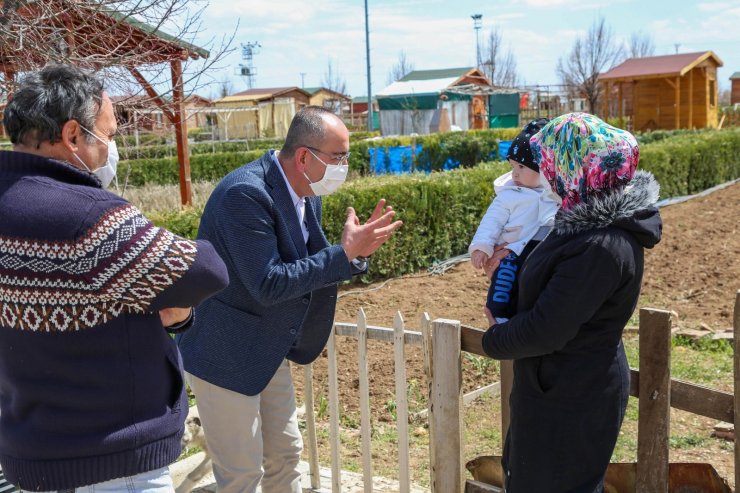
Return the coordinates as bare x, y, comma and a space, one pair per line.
631, 208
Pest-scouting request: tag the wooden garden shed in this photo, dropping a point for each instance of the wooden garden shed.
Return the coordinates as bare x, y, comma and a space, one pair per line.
663, 92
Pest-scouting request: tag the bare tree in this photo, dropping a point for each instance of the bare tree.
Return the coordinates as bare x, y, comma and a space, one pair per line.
402, 68
499, 66
725, 96
641, 45
589, 57
116, 37
333, 80
225, 87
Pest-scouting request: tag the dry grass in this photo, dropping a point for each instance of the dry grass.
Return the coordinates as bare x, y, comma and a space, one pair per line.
162, 198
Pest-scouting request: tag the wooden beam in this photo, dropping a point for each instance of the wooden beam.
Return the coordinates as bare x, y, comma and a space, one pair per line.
606, 101
628, 78
619, 111
655, 406
691, 99
671, 83
181, 133
678, 102
164, 107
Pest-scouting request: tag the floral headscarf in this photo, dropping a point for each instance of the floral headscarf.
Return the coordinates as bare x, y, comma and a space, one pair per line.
581, 155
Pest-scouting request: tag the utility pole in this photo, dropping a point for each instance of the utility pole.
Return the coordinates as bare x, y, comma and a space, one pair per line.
303, 80
369, 85
677, 45
477, 24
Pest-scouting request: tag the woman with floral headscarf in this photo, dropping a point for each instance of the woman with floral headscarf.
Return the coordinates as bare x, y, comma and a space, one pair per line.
577, 291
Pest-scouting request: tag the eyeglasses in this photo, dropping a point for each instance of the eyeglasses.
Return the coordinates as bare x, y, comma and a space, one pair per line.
342, 159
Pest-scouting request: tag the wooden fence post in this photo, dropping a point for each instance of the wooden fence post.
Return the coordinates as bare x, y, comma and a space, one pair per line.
506, 369
336, 465
426, 344
655, 401
445, 420
365, 425
402, 405
736, 357
312, 446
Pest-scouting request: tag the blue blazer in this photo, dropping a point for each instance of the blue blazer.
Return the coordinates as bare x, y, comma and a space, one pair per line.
282, 293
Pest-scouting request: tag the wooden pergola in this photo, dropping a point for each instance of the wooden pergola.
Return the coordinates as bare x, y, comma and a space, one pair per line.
86, 34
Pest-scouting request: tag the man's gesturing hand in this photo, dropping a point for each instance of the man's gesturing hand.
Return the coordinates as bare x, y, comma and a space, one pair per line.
361, 240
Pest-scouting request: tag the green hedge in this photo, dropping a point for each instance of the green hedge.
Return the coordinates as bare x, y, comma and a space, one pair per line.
168, 151
467, 148
692, 162
658, 135
442, 210
362, 135
203, 167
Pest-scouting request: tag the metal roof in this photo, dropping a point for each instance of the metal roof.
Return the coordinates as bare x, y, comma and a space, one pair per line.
736, 75
658, 66
444, 73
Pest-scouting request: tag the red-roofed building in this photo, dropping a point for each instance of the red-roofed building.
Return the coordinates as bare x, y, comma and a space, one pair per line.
669, 91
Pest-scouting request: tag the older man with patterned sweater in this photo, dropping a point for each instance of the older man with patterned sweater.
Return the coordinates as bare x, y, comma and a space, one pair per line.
91, 384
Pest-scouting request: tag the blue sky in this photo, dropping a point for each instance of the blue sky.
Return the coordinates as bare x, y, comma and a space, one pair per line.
300, 36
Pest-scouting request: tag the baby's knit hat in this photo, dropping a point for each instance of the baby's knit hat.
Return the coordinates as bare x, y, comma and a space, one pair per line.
520, 151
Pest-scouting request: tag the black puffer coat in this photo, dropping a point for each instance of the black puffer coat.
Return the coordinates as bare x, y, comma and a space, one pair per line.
577, 291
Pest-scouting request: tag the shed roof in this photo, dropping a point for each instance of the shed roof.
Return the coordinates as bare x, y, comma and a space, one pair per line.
443, 73
315, 90
429, 82
259, 94
734, 76
658, 66
122, 36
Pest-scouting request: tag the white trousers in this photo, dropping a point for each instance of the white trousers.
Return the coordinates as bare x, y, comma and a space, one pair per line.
252, 439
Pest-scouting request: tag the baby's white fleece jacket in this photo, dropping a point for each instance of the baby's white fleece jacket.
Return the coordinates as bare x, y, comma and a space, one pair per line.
514, 216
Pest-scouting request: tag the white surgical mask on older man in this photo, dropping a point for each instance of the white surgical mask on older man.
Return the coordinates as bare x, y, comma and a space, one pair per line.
106, 173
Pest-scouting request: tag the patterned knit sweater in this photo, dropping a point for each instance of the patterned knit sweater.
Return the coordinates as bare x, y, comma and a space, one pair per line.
91, 385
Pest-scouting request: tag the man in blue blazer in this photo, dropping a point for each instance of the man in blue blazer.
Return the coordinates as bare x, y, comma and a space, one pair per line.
264, 219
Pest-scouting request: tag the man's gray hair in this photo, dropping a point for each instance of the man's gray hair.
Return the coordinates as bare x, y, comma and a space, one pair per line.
306, 129
47, 99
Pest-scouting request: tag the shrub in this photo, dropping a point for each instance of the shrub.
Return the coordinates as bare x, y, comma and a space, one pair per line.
183, 222
362, 135
163, 171
693, 161
465, 149
442, 210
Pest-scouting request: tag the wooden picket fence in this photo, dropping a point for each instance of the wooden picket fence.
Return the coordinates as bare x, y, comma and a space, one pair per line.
443, 342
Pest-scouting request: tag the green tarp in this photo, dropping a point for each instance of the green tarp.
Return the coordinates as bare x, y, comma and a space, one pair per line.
416, 101
503, 104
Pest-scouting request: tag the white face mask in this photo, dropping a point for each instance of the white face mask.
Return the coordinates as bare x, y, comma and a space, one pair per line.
333, 178
106, 173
